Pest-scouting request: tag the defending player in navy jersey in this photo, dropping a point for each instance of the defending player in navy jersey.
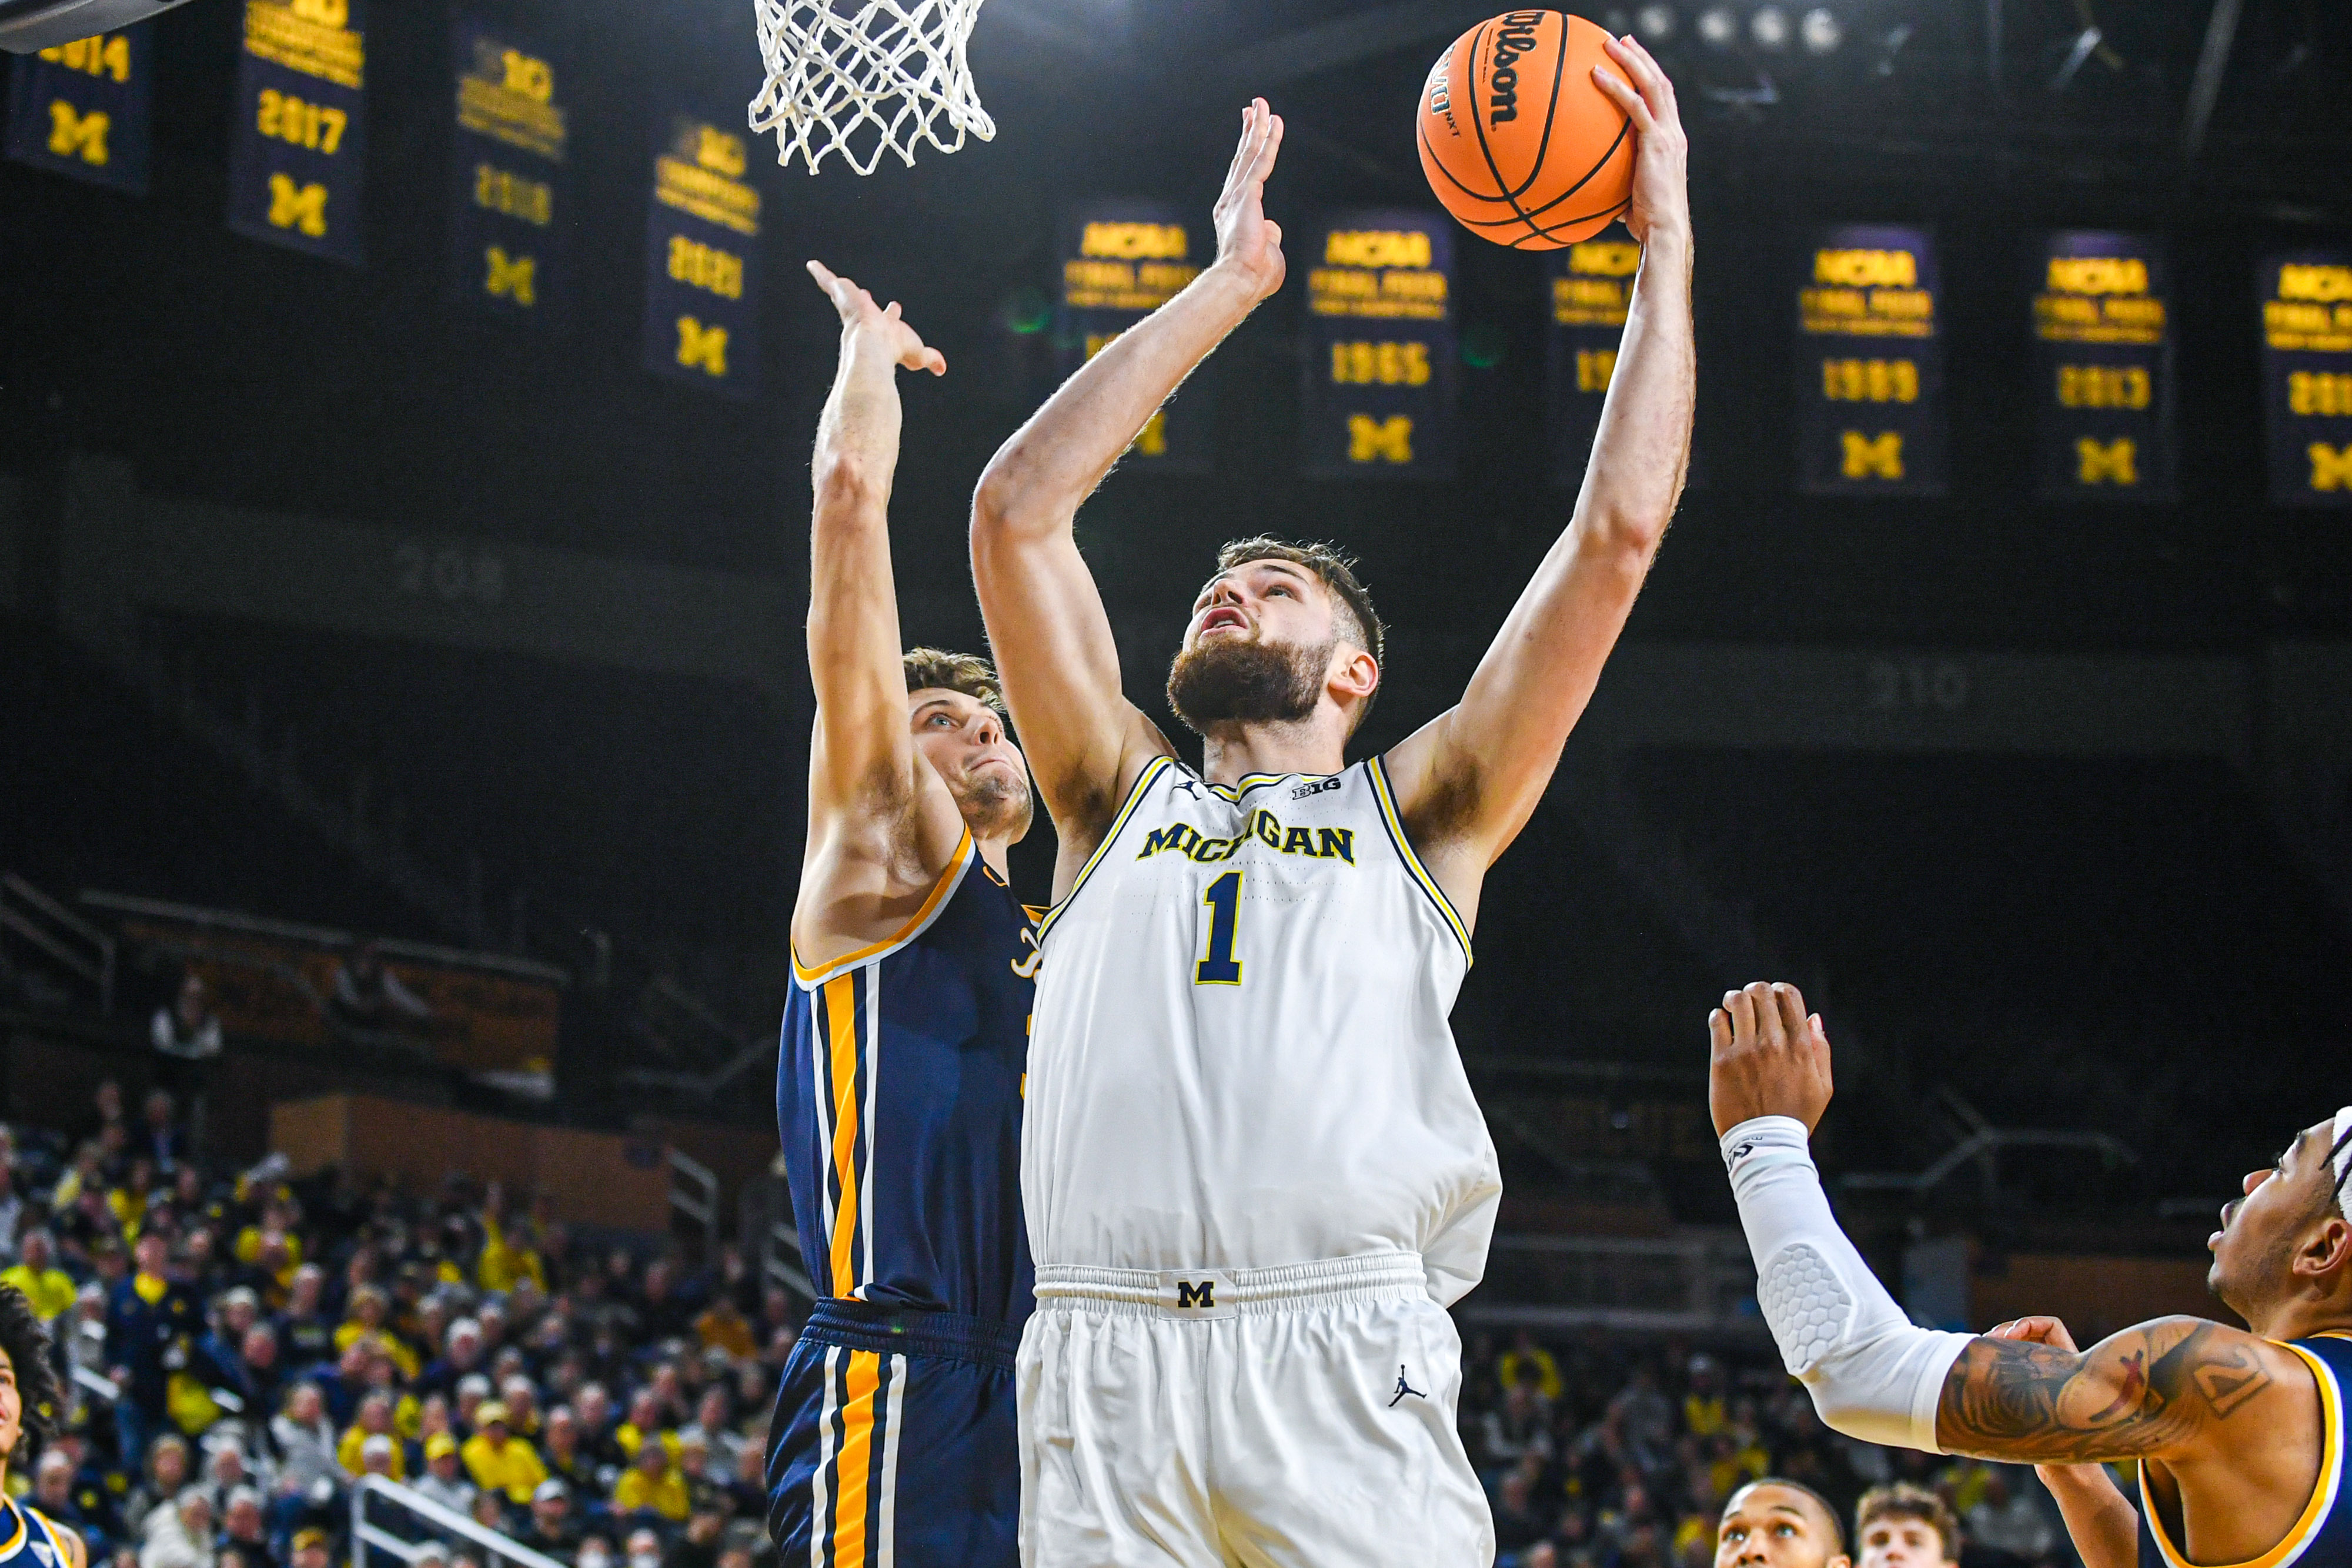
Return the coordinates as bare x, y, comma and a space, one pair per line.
1254, 1171
905, 1041
2239, 1436
28, 1403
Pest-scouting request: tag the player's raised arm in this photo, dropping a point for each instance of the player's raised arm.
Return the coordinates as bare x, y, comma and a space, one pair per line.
1468, 781
2168, 1389
865, 775
1047, 627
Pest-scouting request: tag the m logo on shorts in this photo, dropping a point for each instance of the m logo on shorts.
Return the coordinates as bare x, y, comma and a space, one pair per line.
1202, 1295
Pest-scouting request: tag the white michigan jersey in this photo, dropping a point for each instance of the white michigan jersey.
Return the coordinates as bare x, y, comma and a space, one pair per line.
1240, 1057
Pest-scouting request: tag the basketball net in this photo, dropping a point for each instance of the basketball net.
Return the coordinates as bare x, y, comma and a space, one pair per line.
861, 77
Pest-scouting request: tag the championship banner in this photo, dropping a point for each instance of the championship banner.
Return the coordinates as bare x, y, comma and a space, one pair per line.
2307, 376
1591, 287
80, 109
297, 166
1121, 262
702, 262
2103, 350
507, 214
1870, 366
1379, 353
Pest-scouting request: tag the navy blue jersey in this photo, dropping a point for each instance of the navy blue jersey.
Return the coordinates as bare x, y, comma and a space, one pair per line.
28, 1539
898, 1100
2321, 1538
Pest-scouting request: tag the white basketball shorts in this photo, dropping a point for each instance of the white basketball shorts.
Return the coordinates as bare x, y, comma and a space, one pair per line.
1298, 1416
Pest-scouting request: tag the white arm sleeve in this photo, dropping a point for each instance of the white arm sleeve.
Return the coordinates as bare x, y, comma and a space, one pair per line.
1874, 1375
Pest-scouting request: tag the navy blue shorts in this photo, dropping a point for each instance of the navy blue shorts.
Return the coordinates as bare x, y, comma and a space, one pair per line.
894, 1443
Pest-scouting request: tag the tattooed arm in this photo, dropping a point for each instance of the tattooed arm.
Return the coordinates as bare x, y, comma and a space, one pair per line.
2162, 1389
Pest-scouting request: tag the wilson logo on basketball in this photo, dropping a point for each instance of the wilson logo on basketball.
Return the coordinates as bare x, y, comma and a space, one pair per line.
1515, 37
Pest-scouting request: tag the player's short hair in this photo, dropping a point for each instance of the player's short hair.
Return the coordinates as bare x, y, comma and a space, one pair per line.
1902, 1499
1828, 1509
26, 1340
1336, 568
938, 669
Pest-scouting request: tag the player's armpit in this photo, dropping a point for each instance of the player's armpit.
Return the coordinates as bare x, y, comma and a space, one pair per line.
2161, 1388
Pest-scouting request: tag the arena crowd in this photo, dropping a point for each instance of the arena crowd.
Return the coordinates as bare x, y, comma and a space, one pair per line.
1604, 1452
235, 1351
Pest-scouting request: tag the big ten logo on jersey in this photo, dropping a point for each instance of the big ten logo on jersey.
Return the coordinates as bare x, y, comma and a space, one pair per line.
1262, 828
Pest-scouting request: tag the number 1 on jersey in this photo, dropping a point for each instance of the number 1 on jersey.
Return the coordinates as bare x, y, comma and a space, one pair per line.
1224, 900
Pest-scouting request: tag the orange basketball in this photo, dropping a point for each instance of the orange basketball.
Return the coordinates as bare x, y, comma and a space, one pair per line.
1515, 140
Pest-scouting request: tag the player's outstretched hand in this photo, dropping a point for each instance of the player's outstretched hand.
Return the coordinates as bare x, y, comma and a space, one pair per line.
1661, 205
1247, 243
860, 314
1769, 1058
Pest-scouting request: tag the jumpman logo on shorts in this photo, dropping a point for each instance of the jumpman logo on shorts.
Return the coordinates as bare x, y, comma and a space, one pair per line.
1404, 1388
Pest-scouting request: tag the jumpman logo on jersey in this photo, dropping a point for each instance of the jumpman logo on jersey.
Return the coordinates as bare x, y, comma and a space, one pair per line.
1404, 1388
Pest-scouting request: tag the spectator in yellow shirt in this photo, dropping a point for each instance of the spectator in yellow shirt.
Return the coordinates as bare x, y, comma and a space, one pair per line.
1526, 1355
506, 1261
48, 1288
651, 1484
371, 1307
501, 1461
373, 1419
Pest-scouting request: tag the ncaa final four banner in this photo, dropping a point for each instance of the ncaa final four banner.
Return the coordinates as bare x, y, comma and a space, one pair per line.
508, 210
1591, 287
1379, 375
1870, 364
2307, 376
80, 109
702, 260
297, 166
1121, 260
2103, 350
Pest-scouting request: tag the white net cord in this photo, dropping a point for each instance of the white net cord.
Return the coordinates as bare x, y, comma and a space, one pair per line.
861, 77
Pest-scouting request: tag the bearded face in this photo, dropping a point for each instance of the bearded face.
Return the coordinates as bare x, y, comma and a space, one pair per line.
995, 802
1235, 680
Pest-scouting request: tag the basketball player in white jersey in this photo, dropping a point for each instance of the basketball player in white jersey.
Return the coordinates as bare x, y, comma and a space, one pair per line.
1253, 1169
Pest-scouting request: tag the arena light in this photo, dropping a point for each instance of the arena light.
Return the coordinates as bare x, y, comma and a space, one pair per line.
1717, 27
1820, 31
1770, 28
1654, 24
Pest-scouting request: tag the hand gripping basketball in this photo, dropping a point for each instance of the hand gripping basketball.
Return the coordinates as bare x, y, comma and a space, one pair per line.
1660, 205
860, 314
1248, 242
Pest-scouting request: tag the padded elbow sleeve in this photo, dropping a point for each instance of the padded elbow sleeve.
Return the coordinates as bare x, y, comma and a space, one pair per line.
1873, 1374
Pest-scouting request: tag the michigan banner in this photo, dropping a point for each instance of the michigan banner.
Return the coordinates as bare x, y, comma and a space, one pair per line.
2307, 375
1379, 374
509, 211
702, 260
1870, 364
298, 163
1121, 260
2102, 356
80, 109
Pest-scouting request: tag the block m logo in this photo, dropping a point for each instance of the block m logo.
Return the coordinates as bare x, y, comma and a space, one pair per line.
701, 345
2331, 466
515, 278
1203, 1294
301, 207
1373, 440
71, 133
2115, 461
1868, 458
